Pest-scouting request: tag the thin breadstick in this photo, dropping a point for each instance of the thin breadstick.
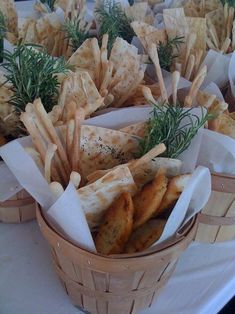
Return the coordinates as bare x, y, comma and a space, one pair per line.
39, 143
213, 34
190, 66
189, 45
69, 138
55, 114
107, 75
35, 135
148, 94
230, 22
210, 44
79, 117
225, 45
39, 109
35, 155
56, 188
197, 82
75, 178
198, 58
104, 55
175, 82
154, 152
96, 54
30, 109
48, 160
154, 57
178, 67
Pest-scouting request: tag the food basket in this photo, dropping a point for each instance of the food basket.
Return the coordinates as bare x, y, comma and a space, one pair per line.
121, 284
19, 208
217, 220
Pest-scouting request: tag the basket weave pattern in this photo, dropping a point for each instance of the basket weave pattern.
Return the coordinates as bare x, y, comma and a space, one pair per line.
117, 285
19, 208
217, 221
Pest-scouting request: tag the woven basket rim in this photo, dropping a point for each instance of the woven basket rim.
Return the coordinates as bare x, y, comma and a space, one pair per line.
222, 175
62, 241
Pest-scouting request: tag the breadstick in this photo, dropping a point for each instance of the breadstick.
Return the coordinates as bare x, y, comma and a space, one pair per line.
154, 152
197, 82
210, 44
75, 178
148, 94
48, 160
175, 82
55, 114
213, 34
41, 112
30, 109
198, 58
190, 43
225, 45
154, 57
56, 189
107, 72
178, 67
35, 135
96, 53
104, 56
69, 138
79, 117
190, 66
229, 22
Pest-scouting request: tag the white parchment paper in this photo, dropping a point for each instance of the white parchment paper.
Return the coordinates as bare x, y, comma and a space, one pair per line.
66, 213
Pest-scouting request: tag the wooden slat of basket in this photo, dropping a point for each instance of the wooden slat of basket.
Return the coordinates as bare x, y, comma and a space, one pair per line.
9, 215
102, 306
217, 205
227, 232
65, 264
89, 303
120, 307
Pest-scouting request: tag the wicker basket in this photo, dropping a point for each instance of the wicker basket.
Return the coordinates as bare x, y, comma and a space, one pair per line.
117, 285
19, 208
217, 220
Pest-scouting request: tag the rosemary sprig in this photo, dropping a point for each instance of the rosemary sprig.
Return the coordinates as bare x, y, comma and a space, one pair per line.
113, 21
32, 74
231, 3
49, 3
3, 25
77, 31
166, 51
166, 126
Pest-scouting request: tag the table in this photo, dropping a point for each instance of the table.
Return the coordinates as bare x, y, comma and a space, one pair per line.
203, 282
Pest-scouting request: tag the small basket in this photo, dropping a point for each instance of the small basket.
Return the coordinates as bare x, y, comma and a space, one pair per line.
113, 285
217, 220
19, 208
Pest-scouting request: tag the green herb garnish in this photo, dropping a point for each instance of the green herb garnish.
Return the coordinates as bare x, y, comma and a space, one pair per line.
231, 3
166, 51
77, 31
114, 22
3, 30
49, 3
166, 126
32, 74
3, 25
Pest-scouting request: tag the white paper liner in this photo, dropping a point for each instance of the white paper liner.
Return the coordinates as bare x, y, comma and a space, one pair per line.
9, 186
217, 152
66, 213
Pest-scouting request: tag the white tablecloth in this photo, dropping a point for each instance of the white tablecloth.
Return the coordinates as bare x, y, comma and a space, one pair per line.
204, 280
